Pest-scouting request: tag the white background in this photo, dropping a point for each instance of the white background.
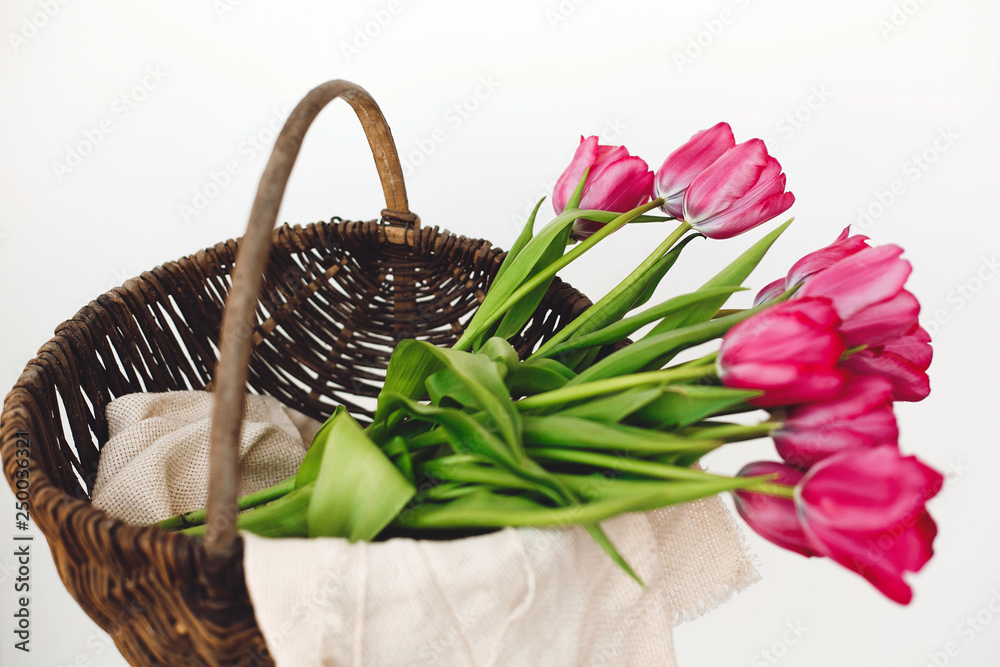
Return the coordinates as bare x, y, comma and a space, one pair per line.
848, 95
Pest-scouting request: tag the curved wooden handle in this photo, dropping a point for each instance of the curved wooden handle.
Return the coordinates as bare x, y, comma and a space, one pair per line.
238, 320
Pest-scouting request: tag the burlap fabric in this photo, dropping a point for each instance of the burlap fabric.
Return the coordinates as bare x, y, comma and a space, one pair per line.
514, 597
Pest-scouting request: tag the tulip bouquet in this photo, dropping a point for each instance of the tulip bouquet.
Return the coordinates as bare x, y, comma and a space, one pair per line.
591, 425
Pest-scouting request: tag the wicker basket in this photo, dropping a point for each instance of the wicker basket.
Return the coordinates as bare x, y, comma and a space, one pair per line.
311, 316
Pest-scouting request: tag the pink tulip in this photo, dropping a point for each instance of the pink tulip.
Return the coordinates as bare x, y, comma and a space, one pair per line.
902, 361
866, 290
616, 182
789, 351
684, 164
771, 517
740, 190
864, 509
860, 416
822, 259
770, 292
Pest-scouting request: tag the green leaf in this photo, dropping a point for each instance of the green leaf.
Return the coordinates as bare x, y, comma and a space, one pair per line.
484, 509
576, 433
682, 405
622, 329
521, 312
481, 376
659, 271
309, 468
732, 275
616, 407
519, 243
516, 273
358, 491
639, 355
468, 436
284, 517
625, 296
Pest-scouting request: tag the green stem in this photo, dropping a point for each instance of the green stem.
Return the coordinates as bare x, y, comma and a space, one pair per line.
551, 270
734, 432
625, 464
262, 497
597, 387
778, 490
567, 331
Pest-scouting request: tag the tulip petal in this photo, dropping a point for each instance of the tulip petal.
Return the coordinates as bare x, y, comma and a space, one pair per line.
867, 490
583, 159
883, 321
909, 382
725, 181
770, 292
684, 164
773, 518
844, 246
867, 277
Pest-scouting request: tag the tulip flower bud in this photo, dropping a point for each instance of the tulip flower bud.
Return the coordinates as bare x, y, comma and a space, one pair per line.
866, 511
866, 290
616, 182
684, 164
789, 351
771, 517
860, 416
740, 190
903, 361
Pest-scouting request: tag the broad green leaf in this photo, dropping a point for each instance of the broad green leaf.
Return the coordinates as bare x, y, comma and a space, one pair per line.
682, 405
309, 468
409, 367
616, 407
358, 491
468, 436
534, 379
481, 376
732, 275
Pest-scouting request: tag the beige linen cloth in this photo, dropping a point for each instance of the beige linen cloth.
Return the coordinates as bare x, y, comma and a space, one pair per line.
515, 597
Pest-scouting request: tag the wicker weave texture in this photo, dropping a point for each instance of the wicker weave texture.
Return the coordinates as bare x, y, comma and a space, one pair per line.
336, 299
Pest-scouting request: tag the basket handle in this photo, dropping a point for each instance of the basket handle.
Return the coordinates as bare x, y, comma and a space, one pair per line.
238, 319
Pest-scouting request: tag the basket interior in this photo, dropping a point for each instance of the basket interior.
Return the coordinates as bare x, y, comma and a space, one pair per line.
335, 302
